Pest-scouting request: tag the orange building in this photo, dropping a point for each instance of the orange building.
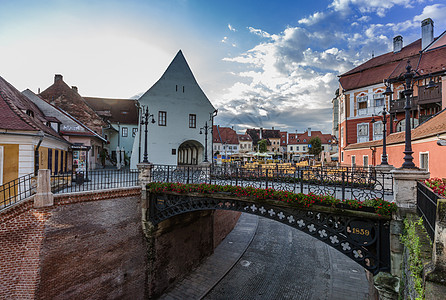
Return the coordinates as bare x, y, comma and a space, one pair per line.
428, 154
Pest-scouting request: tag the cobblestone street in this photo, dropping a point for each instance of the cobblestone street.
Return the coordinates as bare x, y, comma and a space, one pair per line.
274, 262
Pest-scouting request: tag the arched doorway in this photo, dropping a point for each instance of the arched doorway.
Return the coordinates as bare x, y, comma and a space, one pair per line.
190, 153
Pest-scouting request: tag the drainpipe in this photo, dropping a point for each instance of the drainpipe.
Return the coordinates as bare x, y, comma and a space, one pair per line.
36, 153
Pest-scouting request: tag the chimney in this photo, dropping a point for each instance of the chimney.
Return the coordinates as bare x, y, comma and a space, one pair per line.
309, 131
427, 32
397, 43
57, 77
74, 88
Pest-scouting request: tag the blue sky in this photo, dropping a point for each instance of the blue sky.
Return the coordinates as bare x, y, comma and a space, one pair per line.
261, 63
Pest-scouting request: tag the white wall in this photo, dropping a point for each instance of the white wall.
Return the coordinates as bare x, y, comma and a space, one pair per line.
167, 95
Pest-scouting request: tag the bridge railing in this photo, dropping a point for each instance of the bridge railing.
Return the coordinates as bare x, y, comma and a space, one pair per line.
427, 207
17, 190
93, 180
343, 183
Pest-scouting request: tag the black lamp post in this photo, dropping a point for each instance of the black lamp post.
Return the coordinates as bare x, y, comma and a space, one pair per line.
145, 121
206, 130
384, 157
408, 89
389, 93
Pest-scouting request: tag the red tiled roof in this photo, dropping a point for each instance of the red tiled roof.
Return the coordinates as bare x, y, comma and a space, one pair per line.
61, 95
224, 135
304, 138
13, 107
123, 111
391, 65
431, 127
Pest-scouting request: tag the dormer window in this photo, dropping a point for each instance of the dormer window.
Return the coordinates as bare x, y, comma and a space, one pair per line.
30, 113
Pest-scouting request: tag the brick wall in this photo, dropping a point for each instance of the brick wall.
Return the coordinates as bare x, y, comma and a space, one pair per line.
93, 249
180, 244
80, 246
21, 236
224, 222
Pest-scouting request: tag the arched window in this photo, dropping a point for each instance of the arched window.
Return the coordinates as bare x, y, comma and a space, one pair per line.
30, 113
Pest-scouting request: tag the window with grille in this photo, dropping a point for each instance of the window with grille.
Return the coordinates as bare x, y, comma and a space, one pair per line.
192, 121
162, 118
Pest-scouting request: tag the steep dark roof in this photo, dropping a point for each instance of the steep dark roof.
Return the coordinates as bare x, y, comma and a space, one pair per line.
13, 108
123, 111
266, 135
61, 95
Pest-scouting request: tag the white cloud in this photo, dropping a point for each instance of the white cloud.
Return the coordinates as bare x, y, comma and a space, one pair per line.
231, 28
437, 12
314, 18
225, 39
380, 7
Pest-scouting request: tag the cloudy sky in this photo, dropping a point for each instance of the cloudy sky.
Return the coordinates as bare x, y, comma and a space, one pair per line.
262, 63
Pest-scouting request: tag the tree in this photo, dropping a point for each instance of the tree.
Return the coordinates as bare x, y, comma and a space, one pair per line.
262, 146
316, 146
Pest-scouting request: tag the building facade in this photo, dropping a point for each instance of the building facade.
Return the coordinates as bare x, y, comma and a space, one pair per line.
361, 91
28, 140
179, 109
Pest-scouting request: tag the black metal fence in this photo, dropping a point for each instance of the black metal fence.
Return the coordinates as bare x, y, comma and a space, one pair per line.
343, 183
427, 207
93, 180
17, 190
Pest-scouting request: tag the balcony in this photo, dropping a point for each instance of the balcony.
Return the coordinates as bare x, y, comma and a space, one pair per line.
397, 105
430, 96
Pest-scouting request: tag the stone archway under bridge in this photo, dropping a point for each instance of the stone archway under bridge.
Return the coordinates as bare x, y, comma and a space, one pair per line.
190, 152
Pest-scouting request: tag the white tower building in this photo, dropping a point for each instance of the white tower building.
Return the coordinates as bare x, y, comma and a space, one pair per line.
180, 108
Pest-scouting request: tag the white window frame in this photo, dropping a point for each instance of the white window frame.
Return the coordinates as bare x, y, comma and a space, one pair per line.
424, 153
365, 137
353, 159
363, 157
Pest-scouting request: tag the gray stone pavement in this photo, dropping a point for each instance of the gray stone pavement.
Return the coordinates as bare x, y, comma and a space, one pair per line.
263, 259
198, 283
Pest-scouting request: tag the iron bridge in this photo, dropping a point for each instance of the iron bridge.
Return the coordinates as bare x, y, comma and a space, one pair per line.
363, 237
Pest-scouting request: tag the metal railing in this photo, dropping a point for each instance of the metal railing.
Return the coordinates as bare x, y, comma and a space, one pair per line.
17, 190
427, 207
93, 180
342, 183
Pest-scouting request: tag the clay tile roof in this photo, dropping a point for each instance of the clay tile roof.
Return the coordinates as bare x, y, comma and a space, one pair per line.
391, 65
13, 107
61, 95
123, 111
224, 135
431, 127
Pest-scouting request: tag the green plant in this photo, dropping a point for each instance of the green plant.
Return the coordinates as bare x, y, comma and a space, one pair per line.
381, 207
411, 241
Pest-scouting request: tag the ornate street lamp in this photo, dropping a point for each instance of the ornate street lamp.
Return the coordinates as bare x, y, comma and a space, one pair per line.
389, 93
145, 121
205, 128
408, 90
384, 157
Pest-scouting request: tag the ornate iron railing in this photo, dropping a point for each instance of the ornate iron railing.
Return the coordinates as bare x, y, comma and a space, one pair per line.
17, 190
93, 180
427, 207
343, 183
